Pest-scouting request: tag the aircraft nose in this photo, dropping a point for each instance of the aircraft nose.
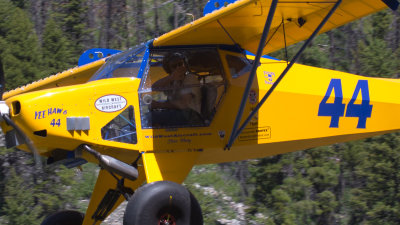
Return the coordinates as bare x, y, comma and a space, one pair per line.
16, 136
9, 112
4, 109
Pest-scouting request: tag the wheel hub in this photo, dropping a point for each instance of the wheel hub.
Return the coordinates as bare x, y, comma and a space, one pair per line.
167, 219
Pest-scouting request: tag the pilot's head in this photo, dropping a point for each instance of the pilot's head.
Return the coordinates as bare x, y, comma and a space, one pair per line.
173, 60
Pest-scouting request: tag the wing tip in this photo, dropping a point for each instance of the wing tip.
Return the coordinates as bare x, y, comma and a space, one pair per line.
393, 4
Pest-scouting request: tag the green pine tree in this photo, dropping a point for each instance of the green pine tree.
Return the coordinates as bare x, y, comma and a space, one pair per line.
19, 46
56, 189
57, 53
376, 199
20, 204
70, 14
377, 59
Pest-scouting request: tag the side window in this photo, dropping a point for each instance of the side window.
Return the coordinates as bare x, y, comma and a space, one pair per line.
238, 66
181, 88
122, 128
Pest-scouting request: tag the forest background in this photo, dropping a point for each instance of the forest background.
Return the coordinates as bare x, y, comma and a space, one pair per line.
348, 183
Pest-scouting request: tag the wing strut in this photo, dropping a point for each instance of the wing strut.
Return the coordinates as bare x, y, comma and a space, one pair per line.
261, 46
235, 132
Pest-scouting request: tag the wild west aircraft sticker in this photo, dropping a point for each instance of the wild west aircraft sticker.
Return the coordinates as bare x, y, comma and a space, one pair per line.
110, 103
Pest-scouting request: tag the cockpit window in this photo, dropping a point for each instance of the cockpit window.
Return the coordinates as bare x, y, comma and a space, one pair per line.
122, 128
181, 88
238, 66
124, 64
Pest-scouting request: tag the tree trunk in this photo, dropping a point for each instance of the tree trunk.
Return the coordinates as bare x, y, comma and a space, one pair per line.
156, 20
91, 24
108, 23
140, 25
175, 15
36, 8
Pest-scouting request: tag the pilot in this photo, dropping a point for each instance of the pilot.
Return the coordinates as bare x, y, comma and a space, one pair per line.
181, 87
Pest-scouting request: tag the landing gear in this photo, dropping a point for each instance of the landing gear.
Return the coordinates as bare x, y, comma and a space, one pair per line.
163, 203
66, 217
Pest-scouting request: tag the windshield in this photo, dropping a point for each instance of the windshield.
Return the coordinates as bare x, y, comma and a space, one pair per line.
124, 64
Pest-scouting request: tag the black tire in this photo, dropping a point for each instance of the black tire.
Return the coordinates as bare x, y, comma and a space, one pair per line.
162, 200
196, 216
65, 217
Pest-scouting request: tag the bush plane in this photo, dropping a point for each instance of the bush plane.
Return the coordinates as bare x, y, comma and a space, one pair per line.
199, 94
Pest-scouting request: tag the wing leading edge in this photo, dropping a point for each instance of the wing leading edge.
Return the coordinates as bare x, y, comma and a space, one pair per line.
242, 23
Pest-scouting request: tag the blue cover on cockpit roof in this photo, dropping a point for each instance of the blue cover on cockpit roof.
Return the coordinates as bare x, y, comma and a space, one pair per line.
95, 54
213, 5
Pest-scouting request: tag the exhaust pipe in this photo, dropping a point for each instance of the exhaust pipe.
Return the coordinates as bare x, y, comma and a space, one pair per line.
111, 164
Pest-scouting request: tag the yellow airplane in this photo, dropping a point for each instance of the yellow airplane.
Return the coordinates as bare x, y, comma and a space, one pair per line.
194, 96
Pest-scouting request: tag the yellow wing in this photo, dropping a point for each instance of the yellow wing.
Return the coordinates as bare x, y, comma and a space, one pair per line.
242, 22
77, 75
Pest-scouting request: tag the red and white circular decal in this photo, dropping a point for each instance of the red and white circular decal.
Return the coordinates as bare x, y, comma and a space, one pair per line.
253, 97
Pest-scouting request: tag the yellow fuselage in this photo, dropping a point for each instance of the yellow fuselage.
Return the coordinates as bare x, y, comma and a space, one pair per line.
290, 120
310, 107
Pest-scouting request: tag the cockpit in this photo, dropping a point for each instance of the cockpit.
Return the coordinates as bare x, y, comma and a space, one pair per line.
180, 87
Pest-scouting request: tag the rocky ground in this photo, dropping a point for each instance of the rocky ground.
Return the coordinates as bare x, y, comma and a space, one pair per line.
116, 217
239, 208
